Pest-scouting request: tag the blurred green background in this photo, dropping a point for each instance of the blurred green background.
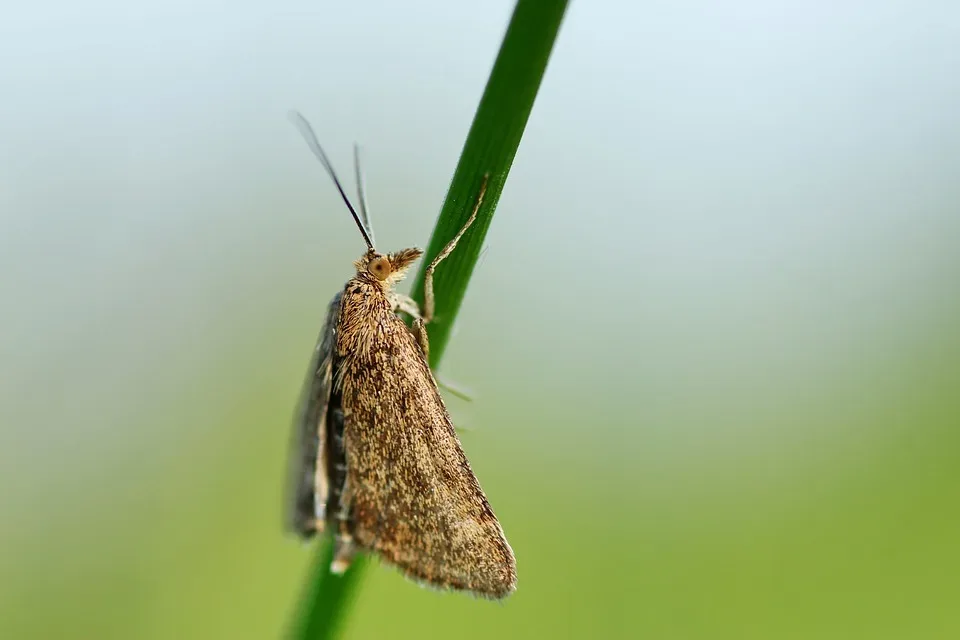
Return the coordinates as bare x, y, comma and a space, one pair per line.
713, 337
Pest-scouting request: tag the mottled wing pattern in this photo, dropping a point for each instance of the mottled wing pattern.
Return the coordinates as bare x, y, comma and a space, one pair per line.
309, 477
411, 493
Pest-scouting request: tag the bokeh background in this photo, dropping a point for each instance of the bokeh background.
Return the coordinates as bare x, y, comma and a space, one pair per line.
713, 337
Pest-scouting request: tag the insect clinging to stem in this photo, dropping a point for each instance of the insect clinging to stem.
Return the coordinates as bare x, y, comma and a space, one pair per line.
377, 461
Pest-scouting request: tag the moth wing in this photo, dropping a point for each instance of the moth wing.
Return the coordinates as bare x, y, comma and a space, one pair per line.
309, 477
413, 497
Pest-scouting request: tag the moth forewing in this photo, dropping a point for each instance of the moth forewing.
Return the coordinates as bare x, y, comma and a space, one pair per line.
411, 493
310, 472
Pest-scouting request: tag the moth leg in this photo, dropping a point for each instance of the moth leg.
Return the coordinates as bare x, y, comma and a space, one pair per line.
419, 331
461, 393
428, 299
455, 389
344, 551
406, 304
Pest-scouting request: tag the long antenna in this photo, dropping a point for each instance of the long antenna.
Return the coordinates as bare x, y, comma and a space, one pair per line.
307, 132
361, 191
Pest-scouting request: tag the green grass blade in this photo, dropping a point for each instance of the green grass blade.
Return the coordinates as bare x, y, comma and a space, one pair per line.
489, 150
327, 597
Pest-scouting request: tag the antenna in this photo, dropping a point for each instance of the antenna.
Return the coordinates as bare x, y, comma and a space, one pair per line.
361, 192
307, 132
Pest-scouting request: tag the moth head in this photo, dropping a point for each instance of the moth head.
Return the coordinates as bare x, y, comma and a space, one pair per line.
387, 268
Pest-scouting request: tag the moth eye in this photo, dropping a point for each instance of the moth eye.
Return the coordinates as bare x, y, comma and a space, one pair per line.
380, 268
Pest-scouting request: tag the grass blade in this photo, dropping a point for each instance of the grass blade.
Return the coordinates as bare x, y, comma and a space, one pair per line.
489, 150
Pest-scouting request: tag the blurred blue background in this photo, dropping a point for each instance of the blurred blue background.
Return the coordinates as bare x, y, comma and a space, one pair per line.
713, 337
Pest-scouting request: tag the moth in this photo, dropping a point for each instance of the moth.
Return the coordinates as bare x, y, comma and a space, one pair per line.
377, 462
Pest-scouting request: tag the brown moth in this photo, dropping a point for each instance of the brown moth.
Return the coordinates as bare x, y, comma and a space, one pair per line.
377, 462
